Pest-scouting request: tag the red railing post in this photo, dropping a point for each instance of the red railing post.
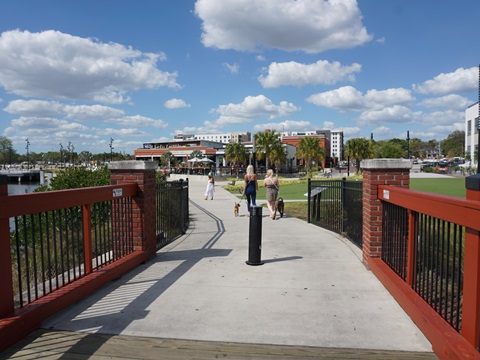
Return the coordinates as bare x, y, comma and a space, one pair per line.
471, 273
143, 174
378, 172
411, 258
87, 238
6, 300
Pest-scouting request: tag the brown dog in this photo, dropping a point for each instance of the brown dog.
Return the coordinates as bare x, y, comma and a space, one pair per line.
236, 208
280, 206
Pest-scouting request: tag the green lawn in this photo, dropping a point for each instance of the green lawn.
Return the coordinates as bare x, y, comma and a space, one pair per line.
295, 190
446, 186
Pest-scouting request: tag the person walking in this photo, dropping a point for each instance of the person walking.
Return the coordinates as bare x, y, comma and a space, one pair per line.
210, 188
272, 186
250, 187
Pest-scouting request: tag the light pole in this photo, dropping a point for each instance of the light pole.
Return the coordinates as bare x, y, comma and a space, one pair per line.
28, 154
111, 149
408, 144
61, 155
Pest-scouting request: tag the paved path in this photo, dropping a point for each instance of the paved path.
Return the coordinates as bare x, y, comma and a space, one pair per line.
312, 291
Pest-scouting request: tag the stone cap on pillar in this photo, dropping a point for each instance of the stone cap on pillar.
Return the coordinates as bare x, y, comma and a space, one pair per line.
372, 164
133, 165
473, 182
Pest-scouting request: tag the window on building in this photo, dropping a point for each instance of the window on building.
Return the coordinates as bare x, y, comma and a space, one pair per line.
469, 127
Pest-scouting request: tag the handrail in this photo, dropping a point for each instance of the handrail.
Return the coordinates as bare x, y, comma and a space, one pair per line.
448, 208
31, 203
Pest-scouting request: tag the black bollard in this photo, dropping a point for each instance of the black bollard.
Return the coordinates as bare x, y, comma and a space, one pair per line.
255, 236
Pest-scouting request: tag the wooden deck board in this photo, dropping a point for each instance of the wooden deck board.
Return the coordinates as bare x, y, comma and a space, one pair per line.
44, 344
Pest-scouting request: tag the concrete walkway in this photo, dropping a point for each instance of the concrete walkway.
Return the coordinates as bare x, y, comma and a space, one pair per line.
312, 290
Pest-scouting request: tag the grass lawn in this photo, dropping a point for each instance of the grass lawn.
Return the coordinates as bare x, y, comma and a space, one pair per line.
444, 186
295, 189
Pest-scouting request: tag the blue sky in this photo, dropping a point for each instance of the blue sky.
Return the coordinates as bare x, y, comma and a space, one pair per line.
89, 71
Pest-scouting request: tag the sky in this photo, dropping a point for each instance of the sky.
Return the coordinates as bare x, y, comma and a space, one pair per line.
95, 74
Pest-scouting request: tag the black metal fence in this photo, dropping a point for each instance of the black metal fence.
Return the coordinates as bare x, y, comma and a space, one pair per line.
337, 205
171, 210
48, 248
438, 258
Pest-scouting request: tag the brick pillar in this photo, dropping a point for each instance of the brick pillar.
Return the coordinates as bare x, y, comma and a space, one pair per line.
378, 172
142, 173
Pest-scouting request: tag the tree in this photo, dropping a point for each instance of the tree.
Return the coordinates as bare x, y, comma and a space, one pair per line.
6, 150
358, 149
196, 154
266, 142
167, 159
454, 144
278, 155
236, 152
389, 149
80, 177
309, 150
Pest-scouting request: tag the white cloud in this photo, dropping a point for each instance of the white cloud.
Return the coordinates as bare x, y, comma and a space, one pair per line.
461, 80
381, 132
311, 26
288, 125
51, 64
252, 107
446, 117
296, 74
176, 104
452, 101
232, 68
396, 113
349, 99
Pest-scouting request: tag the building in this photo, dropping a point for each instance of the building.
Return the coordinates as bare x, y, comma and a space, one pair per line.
181, 149
471, 132
336, 144
223, 138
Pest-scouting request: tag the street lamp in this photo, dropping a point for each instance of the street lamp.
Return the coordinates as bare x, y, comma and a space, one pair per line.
408, 144
61, 155
111, 149
28, 154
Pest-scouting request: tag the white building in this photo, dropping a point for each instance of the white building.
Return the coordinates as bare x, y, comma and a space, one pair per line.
471, 131
336, 144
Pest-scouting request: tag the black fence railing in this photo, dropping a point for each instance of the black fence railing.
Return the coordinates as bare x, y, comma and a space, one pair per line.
171, 210
49, 248
337, 205
395, 238
438, 258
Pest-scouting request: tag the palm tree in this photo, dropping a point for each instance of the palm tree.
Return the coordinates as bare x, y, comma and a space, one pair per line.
167, 158
358, 149
236, 153
196, 154
278, 155
309, 150
266, 143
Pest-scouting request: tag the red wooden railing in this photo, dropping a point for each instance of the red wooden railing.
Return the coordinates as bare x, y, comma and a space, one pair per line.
16, 323
446, 341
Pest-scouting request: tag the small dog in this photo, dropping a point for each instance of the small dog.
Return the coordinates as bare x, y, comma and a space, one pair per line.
236, 208
280, 206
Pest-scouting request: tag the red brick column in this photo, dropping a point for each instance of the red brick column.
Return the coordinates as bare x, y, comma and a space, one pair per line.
378, 172
142, 173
